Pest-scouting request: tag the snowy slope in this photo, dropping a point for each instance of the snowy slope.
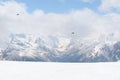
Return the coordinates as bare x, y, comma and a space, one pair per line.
59, 71
58, 48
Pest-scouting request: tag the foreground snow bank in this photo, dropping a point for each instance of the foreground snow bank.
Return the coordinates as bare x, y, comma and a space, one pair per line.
59, 71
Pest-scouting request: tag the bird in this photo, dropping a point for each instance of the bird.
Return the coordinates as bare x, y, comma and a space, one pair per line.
73, 33
17, 14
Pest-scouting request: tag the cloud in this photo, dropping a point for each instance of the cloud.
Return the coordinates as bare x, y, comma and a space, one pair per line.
85, 22
109, 5
40, 22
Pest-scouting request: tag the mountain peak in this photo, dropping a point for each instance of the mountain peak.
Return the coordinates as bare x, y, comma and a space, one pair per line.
59, 48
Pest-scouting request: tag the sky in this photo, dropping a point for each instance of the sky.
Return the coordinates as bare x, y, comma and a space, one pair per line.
59, 6
87, 18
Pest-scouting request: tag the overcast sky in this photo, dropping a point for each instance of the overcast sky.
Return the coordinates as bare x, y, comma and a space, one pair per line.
87, 18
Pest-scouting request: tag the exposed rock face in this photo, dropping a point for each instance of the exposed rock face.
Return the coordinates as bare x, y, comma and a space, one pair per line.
58, 49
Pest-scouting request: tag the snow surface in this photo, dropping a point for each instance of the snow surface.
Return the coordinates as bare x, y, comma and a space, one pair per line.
59, 71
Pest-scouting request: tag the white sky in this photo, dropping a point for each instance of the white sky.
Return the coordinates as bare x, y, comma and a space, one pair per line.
84, 22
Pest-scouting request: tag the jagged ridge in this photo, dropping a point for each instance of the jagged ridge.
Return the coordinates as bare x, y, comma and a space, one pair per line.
59, 49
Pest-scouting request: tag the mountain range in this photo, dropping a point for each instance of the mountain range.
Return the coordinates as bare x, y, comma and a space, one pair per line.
57, 48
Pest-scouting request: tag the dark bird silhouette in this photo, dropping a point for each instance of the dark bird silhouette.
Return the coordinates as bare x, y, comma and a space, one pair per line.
73, 33
17, 14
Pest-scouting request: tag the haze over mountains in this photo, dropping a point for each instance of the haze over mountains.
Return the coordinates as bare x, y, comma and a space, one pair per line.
59, 48
95, 31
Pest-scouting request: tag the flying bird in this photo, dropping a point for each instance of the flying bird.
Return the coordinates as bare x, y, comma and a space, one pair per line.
73, 33
17, 14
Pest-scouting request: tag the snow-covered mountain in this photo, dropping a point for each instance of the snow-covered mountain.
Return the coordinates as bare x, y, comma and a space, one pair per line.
22, 47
